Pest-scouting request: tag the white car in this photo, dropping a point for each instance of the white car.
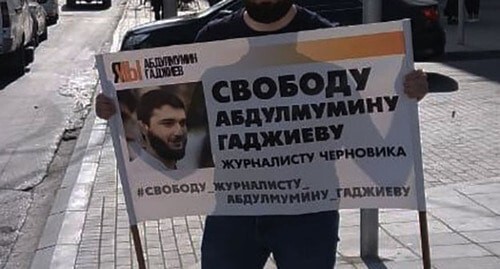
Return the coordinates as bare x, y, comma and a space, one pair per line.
39, 22
16, 35
52, 9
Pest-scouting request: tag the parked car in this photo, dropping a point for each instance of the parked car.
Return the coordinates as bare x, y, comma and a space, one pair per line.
429, 37
102, 3
52, 9
16, 35
39, 17
428, 34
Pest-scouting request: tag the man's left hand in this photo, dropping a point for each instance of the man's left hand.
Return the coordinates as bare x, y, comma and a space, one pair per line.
415, 84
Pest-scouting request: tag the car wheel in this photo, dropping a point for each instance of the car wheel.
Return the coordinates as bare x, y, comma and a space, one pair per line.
35, 39
29, 55
52, 20
45, 34
19, 62
71, 3
106, 4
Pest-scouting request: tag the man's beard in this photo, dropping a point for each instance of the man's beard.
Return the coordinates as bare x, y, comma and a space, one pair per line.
163, 151
267, 12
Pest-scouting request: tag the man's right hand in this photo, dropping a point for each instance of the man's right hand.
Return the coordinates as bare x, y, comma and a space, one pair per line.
104, 107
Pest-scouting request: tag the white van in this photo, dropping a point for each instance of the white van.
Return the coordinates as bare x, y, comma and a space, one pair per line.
52, 9
16, 35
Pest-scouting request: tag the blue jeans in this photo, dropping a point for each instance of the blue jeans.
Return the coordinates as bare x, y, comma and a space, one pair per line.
245, 242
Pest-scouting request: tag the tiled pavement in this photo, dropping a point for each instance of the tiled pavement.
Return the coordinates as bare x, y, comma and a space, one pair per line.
460, 139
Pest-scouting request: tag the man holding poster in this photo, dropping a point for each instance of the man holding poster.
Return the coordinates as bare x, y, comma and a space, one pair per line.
296, 241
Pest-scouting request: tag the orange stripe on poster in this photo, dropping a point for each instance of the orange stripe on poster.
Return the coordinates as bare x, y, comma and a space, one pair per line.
375, 45
354, 47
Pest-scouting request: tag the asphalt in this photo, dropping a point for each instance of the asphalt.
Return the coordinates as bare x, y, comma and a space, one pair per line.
88, 225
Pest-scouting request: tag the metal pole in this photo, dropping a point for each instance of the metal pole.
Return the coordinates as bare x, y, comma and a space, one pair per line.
169, 8
369, 233
424, 237
461, 22
138, 247
372, 12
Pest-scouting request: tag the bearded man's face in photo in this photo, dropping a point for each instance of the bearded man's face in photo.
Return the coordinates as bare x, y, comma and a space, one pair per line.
267, 11
167, 132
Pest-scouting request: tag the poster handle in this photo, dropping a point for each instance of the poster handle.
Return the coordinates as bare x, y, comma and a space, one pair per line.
138, 247
424, 237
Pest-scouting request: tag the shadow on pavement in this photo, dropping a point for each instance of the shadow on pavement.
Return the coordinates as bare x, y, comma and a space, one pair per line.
468, 56
441, 83
486, 67
6, 79
374, 263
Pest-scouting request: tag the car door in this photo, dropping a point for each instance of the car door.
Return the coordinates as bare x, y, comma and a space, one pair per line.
4, 15
15, 27
16, 20
27, 20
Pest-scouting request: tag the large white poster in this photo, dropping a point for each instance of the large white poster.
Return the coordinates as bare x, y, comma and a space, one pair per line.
284, 124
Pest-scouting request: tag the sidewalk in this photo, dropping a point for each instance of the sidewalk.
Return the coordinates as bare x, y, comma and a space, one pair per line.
88, 226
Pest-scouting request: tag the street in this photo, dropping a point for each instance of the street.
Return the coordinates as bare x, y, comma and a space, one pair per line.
41, 112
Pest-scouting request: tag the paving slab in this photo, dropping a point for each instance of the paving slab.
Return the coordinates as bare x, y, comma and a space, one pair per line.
491, 201
458, 251
488, 236
476, 224
467, 263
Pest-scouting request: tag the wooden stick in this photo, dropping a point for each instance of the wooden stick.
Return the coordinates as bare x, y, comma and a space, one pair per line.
424, 237
138, 247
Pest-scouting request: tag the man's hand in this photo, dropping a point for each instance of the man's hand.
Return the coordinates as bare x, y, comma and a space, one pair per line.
415, 84
104, 107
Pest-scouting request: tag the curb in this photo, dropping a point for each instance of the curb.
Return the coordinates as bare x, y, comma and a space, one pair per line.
58, 245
